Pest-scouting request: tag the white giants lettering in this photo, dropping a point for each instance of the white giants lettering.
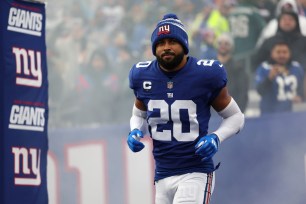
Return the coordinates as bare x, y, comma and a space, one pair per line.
27, 118
26, 22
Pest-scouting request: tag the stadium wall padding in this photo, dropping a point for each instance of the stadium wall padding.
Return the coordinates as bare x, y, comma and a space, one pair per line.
264, 163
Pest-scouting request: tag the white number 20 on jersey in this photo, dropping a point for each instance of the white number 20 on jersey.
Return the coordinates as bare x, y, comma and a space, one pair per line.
172, 113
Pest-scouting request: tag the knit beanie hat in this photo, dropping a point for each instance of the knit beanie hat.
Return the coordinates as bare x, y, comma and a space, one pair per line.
170, 27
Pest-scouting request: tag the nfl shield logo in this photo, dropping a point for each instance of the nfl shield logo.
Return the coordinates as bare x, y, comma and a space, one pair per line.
170, 85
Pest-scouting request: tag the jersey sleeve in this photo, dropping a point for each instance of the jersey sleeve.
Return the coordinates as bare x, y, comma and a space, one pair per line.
135, 76
131, 83
218, 79
132, 80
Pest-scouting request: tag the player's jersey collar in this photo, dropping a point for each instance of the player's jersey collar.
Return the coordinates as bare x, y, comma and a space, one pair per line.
171, 75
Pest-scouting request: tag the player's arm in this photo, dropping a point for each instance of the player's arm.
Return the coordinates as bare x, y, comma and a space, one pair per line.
228, 109
222, 100
138, 126
232, 123
139, 116
140, 105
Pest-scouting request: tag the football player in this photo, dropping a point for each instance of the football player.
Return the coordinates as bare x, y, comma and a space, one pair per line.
174, 94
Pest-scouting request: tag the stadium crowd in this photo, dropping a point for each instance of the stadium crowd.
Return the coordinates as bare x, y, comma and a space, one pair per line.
92, 45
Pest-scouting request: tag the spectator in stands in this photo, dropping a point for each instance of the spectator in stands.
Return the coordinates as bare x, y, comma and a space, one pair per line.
139, 32
186, 8
289, 30
238, 80
246, 25
198, 26
218, 17
266, 9
207, 46
209, 24
103, 88
271, 28
279, 80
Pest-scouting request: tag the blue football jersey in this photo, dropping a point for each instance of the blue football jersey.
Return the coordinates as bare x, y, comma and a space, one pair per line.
277, 95
178, 111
